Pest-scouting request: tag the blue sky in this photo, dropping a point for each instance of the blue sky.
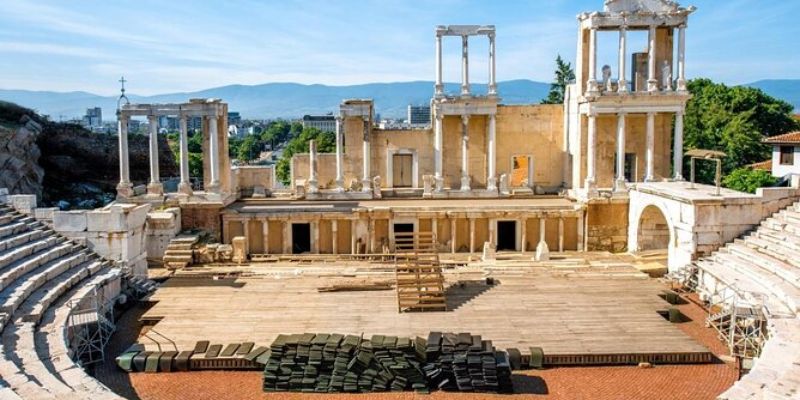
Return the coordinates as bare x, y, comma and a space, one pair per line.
169, 46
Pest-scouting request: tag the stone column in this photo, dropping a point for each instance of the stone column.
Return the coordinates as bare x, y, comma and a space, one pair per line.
339, 173
465, 180
313, 186
619, 183
246, 231
677, 151
315, 236
560, 234
580, 232
438, 86
492, 67
184, 187
353, 237
287, 237
491, 179
492, 229
154, 187
366, 180
452, 234
465, 65
523, 245
682, 59
226, 229
592, 88
124, 187
265, 234
650, 151
542, 251
472, 235
437, 150
335, 236
371, 235
652, 82
213, 149
435, 230
591, 140
622, 84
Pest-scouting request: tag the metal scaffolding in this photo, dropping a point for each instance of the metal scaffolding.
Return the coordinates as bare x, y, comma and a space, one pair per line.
89, 326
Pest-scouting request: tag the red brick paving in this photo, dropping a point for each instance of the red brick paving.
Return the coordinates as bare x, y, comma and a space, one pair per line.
663, 382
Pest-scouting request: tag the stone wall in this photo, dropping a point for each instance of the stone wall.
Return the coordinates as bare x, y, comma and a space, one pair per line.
116, 232
250, 178
202, 216
161, 227
607, 226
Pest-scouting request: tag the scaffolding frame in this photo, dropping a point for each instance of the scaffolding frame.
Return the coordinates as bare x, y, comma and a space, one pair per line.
89, 326
739, 319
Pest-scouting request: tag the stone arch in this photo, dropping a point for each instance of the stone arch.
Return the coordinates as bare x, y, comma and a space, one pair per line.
654, 232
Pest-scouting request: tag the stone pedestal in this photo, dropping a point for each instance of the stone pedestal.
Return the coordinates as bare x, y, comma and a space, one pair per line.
439, 181
504, 184
185, 188
124, 191
155, 188
465, 181
491, 184
427, 185
488, 252
542, 252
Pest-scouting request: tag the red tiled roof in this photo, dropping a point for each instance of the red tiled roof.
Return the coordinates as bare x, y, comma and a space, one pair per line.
791, 137
765, 165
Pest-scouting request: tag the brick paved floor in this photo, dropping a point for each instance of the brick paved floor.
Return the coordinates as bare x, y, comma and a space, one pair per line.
661, 382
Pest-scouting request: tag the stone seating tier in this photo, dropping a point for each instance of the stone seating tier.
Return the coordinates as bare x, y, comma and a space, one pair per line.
41, 274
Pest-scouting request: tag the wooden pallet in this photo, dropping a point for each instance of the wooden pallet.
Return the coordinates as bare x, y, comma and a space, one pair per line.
420, 283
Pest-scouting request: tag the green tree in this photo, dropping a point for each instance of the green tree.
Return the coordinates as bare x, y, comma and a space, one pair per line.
564, 75
733, 120
326, 143
748, 179
196, 165
249, 148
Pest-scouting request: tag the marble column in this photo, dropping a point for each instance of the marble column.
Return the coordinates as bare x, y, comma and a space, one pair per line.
435, 231
353, 237
313, 185
125, 186
622, 84
580, 232
677, 150
592, 88
472, 235
335, 236
366, 179
591, 143
265, 234
371, 235
213, 159
650, 150
452, 234
652, 82
154, 187
437, 151
491, 179
523, 245
542, 251
438, 86
682, 59
184, 186
339, 172
619, 182
465, 65
492, 66
465, 180
560, 234
314, 236
287, 237
246, 231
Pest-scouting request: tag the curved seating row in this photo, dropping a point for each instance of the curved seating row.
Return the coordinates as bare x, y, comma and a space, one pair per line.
764, 264
42, 274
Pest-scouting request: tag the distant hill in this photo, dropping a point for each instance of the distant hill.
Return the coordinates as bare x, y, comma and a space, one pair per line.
784, 89
276, 100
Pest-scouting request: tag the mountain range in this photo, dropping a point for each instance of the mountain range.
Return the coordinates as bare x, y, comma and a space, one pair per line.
293, 100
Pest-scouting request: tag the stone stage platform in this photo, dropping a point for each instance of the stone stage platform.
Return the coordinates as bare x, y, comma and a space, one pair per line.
571, 307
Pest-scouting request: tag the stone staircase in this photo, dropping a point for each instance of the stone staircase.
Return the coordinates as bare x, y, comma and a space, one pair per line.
179, 253
42, 274
762, 268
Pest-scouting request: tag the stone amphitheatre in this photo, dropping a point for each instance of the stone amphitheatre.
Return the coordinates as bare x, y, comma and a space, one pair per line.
549, 251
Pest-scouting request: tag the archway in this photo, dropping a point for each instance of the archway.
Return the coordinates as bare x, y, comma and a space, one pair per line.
653, 232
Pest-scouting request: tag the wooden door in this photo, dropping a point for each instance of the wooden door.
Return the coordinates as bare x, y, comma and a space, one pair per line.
402, 170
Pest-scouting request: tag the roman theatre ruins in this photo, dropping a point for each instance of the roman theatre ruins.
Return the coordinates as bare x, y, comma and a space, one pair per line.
500, 237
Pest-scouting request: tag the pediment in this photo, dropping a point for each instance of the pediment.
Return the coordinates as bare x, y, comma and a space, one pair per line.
635, 6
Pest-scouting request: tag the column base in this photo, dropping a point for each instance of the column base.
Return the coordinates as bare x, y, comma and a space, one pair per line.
649, 178
590, 187
313, 186
620, 186
678, 178
124, 190
185, 188
652, 85
491, 185
438, 90
366, 185
465, 184
682, 88
156, 188
438, 184
465, 91
212, 187
492, 92
339, 186
622, 86
592, 87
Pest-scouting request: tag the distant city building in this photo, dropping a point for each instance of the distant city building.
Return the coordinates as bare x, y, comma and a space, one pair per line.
93, 118
167, 123
419, 115
325, 123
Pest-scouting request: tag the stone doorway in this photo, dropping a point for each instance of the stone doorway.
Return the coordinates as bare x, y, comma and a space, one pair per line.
402, 170
301, 238
507, 235
653, 230
403, 228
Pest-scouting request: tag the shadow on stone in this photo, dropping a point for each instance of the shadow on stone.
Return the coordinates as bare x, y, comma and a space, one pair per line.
463, 292
527, 384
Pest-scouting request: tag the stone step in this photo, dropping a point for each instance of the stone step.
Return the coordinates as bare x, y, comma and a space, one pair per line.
14, 295
772, 284
52, 290
179, 252
28, 249
12, 273
729, 276
19, 239
773, 265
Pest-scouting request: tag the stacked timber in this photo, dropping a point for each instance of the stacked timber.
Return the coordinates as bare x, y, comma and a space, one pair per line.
330, 363
420, 283
466, 363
